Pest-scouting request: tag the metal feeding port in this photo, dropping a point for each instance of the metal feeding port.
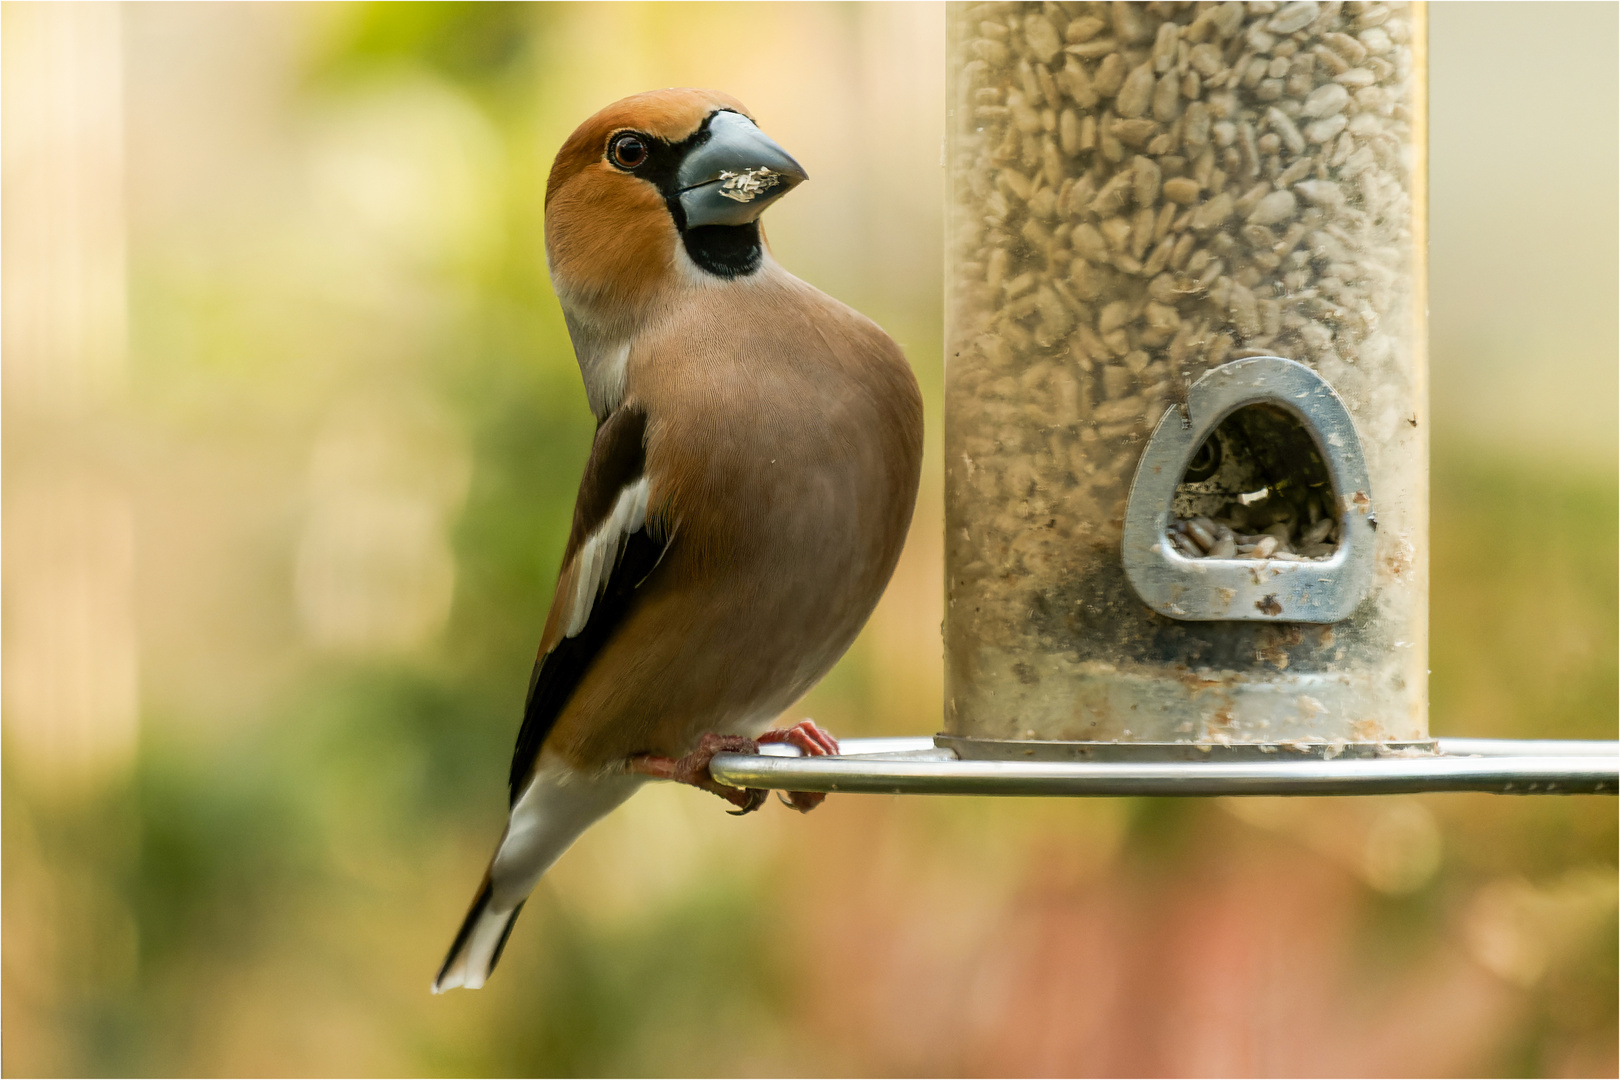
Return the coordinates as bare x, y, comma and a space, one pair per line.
1253, 502
919, 766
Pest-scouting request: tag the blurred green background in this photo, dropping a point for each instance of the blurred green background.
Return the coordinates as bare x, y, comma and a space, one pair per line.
291, 434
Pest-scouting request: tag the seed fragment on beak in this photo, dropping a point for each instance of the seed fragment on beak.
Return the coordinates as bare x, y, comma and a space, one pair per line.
744, 186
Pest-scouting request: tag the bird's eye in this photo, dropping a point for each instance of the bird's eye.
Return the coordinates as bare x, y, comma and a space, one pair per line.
628, 150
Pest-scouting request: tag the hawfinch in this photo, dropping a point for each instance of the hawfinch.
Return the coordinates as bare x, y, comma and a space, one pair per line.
748, 491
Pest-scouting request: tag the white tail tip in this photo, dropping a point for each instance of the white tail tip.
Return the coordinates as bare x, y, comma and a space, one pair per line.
478, 945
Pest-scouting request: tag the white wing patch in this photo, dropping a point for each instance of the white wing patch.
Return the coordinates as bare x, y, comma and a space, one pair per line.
599, 554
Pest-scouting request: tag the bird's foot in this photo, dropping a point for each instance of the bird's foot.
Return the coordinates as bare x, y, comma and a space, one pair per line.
812, 741
693, 769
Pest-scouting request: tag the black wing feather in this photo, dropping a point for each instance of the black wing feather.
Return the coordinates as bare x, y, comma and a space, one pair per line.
558, 673
618, 460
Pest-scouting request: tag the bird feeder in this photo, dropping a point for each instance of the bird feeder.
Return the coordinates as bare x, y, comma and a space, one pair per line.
1186, 412
1186, 263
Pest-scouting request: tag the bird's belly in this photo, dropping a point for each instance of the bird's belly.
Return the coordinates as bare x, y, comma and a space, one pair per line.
726, 643
824, 558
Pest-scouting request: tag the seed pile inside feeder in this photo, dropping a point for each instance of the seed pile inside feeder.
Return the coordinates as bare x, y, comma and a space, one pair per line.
1223, 538
1256, 489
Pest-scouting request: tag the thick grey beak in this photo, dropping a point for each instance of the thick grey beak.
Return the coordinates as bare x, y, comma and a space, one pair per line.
735, 175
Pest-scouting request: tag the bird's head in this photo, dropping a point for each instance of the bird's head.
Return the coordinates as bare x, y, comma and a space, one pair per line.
670, 181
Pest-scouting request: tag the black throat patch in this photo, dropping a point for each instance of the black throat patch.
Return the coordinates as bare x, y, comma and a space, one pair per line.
726, 251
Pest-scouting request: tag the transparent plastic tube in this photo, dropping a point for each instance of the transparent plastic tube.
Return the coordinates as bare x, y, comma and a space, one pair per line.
1140, 195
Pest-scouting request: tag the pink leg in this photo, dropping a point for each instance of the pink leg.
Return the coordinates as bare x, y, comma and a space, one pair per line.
813, 741
693, 769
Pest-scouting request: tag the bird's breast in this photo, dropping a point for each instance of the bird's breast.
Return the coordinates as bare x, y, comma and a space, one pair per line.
792, 469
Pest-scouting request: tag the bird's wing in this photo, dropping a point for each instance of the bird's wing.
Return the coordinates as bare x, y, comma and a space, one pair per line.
612, 547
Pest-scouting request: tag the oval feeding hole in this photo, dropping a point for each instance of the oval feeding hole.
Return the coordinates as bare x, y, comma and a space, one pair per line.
1238, 511
1256, 488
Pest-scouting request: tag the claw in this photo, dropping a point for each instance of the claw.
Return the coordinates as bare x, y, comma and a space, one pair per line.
813, 741
802, 801
755, 800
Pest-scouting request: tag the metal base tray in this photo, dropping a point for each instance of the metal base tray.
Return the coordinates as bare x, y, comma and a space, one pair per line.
920, 766
970, 749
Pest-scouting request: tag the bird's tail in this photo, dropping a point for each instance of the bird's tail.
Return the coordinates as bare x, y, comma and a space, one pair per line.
478, 944
558, 805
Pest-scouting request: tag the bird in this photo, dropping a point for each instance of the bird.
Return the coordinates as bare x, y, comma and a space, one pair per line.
748, 491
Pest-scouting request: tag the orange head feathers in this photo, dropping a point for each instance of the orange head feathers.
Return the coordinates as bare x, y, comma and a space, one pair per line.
657, 183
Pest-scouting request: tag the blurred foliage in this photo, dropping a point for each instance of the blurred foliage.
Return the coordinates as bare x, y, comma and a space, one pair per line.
274, 896
1545, 630
473, 44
